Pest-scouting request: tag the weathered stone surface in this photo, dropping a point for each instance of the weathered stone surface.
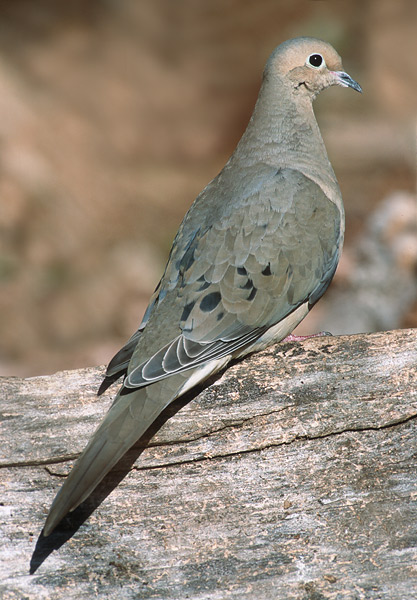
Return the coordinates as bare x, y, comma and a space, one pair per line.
292, 476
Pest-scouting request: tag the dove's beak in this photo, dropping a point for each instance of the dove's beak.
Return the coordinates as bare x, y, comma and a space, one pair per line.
342, 78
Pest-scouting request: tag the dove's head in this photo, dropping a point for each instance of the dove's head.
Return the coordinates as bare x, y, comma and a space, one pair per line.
308, 66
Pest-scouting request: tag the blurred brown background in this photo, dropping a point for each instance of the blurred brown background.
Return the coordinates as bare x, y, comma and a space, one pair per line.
114, 115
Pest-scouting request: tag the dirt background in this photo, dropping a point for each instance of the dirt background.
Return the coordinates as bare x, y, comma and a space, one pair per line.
114, 115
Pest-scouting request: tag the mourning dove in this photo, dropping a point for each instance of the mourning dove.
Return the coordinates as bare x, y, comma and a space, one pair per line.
257, 249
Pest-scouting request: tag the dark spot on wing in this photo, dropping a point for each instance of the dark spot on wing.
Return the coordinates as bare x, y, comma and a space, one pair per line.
204, 286
242, 271
248, 285
267, 270
220, 316
252, 294
186, 312
210, 301
187, 259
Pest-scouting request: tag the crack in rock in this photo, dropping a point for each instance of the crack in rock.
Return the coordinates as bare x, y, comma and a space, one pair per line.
260, 448
296, 438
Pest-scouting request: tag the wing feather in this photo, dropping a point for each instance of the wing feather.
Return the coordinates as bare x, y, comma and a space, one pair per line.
239, 277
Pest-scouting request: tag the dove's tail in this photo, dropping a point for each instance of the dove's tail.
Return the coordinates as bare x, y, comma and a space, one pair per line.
127, 420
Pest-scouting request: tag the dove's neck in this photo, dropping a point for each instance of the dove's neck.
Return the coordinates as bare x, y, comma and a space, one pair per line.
283, 132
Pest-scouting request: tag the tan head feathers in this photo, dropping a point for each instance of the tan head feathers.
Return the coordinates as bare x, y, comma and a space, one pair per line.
309, 64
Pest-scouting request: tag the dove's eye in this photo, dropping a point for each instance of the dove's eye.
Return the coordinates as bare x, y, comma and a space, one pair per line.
315, 60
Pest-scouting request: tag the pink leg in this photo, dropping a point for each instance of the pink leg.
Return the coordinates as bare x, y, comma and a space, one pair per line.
300, 338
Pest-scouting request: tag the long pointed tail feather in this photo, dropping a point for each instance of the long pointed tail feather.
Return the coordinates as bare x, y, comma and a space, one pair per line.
127, 420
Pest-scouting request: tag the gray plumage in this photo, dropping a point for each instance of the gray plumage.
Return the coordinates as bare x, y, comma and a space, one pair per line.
256, 250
